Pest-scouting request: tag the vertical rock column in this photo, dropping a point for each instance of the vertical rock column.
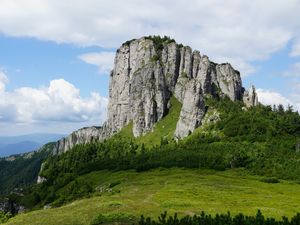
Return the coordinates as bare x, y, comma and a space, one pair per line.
119, 91
193, 110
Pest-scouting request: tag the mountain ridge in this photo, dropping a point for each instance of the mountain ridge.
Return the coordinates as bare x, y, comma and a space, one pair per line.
14, 145
18, 148
37, 137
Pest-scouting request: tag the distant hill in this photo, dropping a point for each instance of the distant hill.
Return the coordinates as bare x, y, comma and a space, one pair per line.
22, 169
11, 145
17, 148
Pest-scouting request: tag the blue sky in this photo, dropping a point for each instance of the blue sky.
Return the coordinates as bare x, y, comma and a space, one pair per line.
55, 56
33, 63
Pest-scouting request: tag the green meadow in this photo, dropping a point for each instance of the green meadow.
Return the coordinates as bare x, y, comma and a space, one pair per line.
185, 191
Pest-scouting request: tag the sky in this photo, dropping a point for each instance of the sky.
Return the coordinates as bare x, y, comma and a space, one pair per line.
56, 56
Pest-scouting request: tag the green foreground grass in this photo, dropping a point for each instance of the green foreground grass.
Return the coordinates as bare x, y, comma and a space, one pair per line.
186, 191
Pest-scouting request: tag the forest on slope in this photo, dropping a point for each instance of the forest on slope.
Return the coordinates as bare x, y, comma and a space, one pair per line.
262, 139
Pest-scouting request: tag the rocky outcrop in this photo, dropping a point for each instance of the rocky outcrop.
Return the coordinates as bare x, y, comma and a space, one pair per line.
41, 179
138, 88
81, 136
250, 97
147, 72
193, 110
8, 205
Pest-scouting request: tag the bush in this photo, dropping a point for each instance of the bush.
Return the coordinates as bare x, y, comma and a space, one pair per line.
113, 184
113, 218
4, 217
272, 180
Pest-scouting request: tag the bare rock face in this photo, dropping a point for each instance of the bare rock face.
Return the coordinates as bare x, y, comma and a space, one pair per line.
171, 60
229, 81
81, 136
146, 74
250, 97
8, 205
149, 98
138, 87
193, 110
41, 179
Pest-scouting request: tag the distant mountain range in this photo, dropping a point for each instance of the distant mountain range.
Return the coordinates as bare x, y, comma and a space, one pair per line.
11, 145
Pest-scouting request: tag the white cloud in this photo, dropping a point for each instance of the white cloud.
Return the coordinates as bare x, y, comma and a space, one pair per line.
295, 48
237, 31
293, 70
296, 97
3, 81
59, 102
270, 97
104, 60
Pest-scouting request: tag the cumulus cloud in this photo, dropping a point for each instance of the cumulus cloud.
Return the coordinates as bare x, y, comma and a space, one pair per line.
270, 97
58, 102
104, 60
3, 81
234, 31
7, 111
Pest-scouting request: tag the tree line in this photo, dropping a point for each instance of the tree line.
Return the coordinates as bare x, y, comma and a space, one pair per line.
261, 139
219, 219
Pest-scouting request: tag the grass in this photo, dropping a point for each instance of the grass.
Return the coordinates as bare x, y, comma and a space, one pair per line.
186, 191
125, 132
164, 128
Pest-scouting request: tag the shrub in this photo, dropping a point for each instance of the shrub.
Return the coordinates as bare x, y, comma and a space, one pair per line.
4, 217
272, 180
113, 184
205, 219
121, 218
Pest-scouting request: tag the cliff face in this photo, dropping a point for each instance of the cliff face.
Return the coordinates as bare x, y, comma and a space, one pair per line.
147, 73
81, 136
138, 88
250, 97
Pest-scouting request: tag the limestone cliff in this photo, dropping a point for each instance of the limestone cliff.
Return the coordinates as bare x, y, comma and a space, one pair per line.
147, 72
81, 136
250, 97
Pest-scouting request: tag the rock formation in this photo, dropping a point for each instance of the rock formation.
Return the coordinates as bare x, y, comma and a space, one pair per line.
147, 73
193, 110
81, 136
250, 97
8, 205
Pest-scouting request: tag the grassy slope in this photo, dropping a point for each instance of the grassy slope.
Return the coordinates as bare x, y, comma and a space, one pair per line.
164, 128
186, 191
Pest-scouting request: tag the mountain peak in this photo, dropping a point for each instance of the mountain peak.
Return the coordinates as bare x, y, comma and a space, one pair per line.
150, 70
